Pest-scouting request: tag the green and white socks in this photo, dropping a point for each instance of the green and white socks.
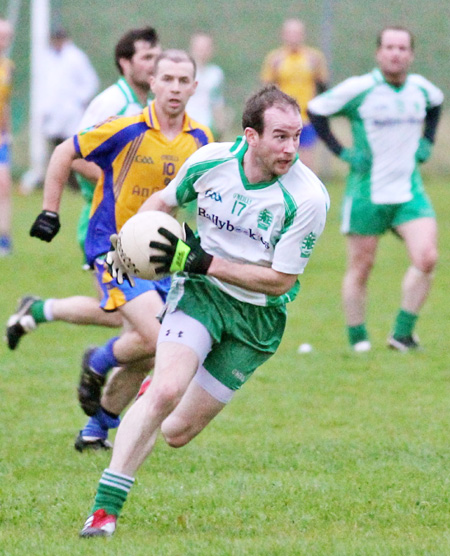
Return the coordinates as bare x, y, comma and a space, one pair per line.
112, 492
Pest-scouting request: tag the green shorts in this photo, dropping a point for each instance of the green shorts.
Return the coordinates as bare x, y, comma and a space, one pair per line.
87, 192
362, 217
244, 335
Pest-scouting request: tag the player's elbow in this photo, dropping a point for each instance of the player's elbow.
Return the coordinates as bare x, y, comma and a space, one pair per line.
282, 284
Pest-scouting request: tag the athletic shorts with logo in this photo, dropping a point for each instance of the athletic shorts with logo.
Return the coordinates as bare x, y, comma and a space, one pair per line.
244, 335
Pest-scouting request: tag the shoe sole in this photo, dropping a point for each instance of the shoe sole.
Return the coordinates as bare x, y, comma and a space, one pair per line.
89, 386
15, 331
94, 532
399, 346
91, 445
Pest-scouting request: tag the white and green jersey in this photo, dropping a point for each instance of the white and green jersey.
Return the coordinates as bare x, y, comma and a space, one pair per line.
117, 100
274, 224
387, 121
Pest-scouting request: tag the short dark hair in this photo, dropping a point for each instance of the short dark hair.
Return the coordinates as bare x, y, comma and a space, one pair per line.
395, 28
176, 55
259, 102
125, 48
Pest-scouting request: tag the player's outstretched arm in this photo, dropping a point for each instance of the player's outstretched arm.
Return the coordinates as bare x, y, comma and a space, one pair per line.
47, 224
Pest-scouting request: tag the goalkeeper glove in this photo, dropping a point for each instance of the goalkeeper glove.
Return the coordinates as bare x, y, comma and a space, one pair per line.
181, 255
423, 152
46, 225
359, 160
115, 266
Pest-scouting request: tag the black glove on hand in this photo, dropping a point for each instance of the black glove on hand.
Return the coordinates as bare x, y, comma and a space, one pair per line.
46, 225
187, 255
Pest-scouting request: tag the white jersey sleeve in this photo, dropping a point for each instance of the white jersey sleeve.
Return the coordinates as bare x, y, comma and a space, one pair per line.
116, 100
292, 252
334, 100
434, 95
106, 104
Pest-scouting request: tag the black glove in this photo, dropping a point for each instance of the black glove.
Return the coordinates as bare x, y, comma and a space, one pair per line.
46, 225
181, 255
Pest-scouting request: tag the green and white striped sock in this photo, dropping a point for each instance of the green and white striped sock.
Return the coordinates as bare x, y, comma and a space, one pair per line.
112, 492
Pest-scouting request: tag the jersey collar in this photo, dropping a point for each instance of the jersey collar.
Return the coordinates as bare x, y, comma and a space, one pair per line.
152, 120
379, 78
238, 150
130, 95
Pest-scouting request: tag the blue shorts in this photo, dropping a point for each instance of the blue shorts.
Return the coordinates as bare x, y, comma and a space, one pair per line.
115, 295
308, 137
5, 153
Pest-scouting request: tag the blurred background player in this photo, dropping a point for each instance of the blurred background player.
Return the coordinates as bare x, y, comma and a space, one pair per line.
135, 55
394, 117
138, 155
70, 82
6, 73
207, 104
301, 72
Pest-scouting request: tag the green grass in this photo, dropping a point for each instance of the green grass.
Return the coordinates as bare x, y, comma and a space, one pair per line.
328, 453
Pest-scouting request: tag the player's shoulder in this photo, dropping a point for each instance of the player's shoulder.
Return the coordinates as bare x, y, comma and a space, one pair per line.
213, 152
276, 55
113, 124
303, 184
313, 52
360, 83
201, 131
107, 103
423, 83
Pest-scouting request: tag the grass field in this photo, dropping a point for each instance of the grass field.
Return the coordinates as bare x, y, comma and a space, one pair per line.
328, 453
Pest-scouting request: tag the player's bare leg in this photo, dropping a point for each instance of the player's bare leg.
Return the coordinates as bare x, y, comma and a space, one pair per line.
196, 409
420, 238
175, 367
361, 252
32, 311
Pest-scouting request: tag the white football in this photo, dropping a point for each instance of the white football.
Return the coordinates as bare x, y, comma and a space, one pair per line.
133, 243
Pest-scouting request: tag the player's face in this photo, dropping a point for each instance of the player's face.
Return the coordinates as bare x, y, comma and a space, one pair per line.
173, 84
395, 55
293, 34
142, 64
275, 150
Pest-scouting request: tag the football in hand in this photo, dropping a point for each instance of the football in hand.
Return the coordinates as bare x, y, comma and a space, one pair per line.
133, 243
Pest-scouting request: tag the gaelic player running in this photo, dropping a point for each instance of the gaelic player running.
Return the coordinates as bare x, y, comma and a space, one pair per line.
259, 213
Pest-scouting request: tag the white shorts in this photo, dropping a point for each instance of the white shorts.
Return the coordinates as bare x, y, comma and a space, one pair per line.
182, 329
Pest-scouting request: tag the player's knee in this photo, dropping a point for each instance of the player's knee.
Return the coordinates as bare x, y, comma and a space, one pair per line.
177, 441
427, 261
360, 272
165, 398
176, 432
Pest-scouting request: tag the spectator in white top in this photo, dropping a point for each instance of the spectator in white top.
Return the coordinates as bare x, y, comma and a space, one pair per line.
70, 84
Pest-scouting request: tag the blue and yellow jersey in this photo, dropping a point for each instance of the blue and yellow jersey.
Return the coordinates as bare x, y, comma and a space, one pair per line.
137, 160
6, 71
296, 73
